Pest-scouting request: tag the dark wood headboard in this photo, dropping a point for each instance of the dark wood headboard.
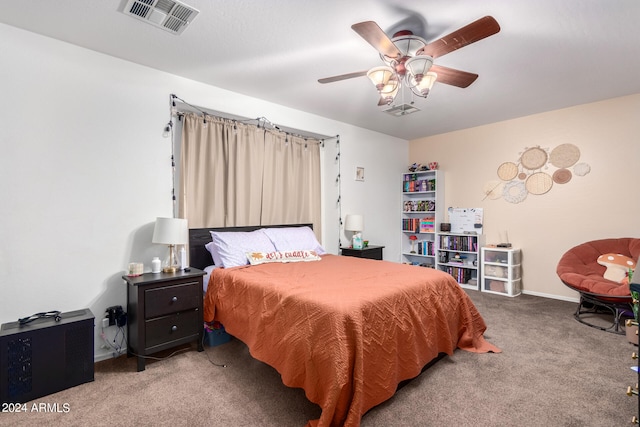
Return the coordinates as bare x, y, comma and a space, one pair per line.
199, 256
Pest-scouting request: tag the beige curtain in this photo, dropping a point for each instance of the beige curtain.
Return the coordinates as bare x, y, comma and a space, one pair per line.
235, 174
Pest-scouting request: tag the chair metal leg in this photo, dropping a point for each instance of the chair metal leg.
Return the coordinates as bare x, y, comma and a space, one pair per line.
591, 305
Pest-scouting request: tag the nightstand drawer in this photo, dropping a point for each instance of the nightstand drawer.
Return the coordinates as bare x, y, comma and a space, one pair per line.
170, 299
164, 330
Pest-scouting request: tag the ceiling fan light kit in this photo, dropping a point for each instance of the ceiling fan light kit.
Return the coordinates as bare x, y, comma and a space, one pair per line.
409, 59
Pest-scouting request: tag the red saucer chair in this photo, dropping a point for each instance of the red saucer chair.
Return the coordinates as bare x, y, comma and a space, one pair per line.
579, 268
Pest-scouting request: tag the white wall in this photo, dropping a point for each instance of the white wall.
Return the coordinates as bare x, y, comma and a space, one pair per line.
602, 204
85, 172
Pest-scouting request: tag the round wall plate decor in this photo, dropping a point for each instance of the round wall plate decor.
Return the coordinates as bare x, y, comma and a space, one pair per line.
539, 183
581, 169
534, 158
507, 171
562, 176
564, 155
514, 192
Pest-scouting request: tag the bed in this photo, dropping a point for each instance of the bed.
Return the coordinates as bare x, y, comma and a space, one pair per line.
346, 330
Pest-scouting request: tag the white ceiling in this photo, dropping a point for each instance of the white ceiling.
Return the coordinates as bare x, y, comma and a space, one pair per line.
549, 54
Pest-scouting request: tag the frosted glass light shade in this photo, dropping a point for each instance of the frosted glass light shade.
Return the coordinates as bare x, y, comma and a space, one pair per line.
389, 92
354, 223
418, 66
423, 87
380, 76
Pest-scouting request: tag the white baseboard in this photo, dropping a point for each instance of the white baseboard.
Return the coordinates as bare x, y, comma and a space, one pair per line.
105, 355
558, 297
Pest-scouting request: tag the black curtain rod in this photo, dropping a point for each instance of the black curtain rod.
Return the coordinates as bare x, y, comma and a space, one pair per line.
301, 134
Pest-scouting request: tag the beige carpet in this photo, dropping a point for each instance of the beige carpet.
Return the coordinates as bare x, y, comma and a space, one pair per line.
553, 371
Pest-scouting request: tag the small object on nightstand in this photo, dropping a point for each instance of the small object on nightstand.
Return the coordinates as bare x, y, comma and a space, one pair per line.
135, 269
183, 258
156, 265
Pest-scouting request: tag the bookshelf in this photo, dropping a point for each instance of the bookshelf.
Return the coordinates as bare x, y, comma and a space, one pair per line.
458, 255
422, 213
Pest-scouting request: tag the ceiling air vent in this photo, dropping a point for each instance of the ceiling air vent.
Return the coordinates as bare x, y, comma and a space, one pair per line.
401, 110
170, 15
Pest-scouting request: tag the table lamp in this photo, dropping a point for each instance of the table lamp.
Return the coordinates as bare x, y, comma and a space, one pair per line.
355, 223
172, 232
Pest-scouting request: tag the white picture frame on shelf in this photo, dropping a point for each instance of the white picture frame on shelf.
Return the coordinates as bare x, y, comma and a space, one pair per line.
359, 173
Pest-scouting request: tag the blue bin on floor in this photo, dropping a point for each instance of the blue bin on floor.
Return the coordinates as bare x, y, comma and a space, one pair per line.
214, 337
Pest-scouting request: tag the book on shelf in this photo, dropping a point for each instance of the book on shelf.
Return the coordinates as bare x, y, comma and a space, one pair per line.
410, 224
419, 225
417, 185
462, 275
459, 243
426, 247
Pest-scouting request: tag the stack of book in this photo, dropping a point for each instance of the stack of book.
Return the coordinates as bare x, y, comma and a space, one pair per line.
427, 225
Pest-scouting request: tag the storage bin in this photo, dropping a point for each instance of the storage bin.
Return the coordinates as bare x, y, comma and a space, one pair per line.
214, 337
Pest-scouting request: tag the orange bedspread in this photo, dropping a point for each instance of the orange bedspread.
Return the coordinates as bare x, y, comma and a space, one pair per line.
346, 330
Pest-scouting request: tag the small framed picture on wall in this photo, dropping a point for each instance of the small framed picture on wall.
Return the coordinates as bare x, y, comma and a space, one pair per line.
359, 173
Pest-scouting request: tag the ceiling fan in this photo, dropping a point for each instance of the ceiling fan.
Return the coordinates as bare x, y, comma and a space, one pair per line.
409, 59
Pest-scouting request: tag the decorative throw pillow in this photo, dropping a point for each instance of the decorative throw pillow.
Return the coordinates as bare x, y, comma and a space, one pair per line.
618, 266
256, 258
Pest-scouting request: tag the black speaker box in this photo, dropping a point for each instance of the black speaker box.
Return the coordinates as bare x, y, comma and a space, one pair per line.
45, 356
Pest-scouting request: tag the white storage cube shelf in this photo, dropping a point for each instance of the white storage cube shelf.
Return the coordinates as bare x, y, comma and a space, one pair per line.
501, 271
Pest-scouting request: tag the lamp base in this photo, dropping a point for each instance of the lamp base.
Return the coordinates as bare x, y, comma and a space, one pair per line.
170, 269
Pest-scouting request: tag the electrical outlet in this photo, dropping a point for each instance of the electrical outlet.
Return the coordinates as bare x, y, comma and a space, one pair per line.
116, 315
105, 322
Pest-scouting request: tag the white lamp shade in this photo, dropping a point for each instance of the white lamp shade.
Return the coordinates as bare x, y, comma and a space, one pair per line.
171, 231
354, 223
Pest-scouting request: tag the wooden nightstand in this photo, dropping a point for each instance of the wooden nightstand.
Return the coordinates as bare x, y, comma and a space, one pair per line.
163, 310
371, 252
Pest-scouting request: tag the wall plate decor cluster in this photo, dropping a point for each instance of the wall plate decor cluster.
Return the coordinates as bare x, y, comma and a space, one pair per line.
531, 174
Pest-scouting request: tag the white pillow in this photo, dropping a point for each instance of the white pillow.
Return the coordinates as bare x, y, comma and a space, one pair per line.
256, 258
229, 248
294, 238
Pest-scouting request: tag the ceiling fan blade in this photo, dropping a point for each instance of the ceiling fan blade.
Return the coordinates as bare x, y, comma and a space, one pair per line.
477, 30
450, 76
342, 77
373, 34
